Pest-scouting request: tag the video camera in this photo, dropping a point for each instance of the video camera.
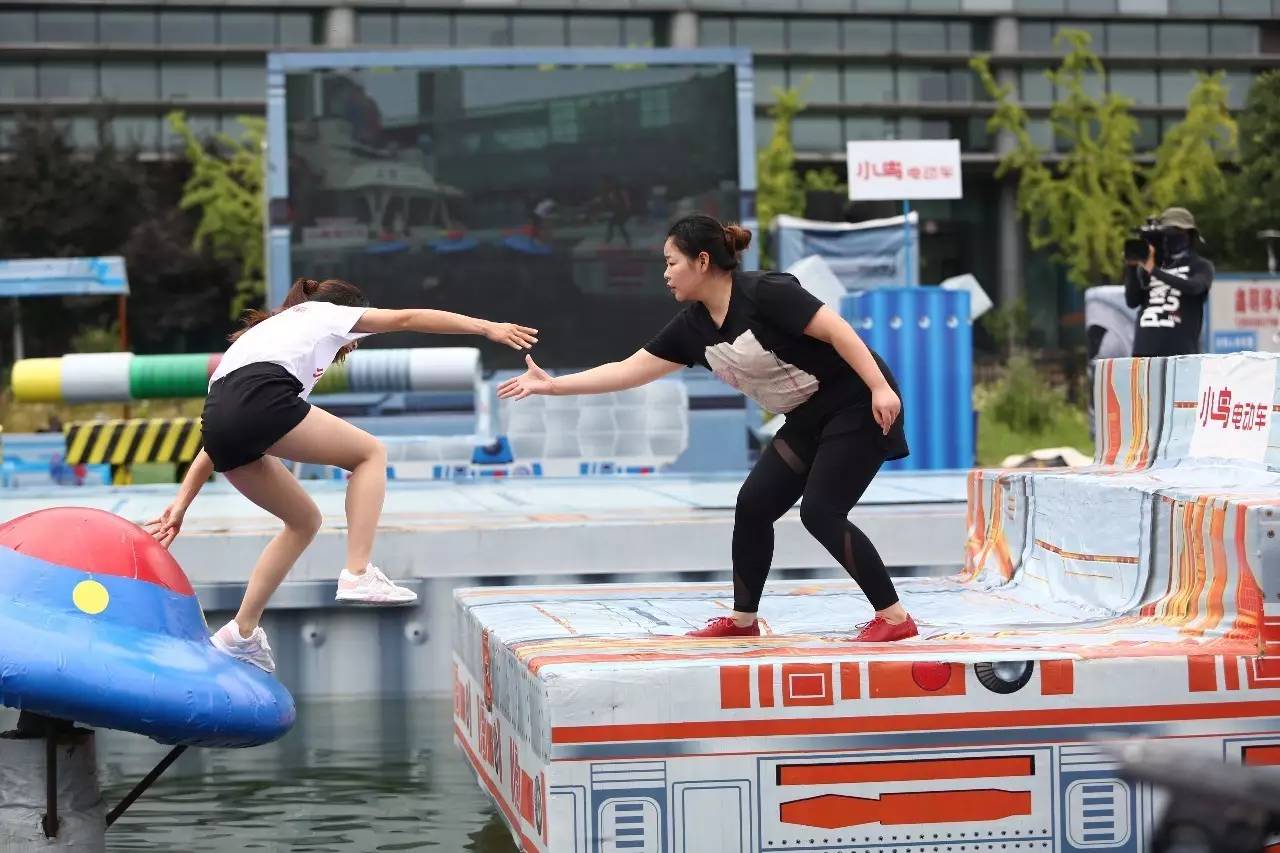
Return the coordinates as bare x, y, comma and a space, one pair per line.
1151, 234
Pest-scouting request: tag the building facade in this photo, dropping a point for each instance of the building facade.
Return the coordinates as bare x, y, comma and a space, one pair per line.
870, 69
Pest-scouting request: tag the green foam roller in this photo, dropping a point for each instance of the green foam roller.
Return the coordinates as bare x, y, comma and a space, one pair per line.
334, 381
157, 376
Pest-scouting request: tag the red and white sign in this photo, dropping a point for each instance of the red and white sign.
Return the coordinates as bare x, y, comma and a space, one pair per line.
1233, 410
904, 169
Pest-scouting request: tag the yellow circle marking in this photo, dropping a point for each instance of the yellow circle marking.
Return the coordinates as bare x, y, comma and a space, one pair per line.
91, 597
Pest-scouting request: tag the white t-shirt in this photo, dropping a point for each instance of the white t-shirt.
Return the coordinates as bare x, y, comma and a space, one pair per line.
302, 339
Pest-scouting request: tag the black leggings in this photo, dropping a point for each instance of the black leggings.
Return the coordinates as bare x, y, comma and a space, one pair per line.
832, 475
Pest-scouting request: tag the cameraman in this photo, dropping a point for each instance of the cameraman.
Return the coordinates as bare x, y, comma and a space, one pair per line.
1169, 288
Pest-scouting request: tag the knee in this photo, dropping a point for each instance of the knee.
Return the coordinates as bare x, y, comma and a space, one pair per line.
751, 508
819, 517
307, 523
378, 454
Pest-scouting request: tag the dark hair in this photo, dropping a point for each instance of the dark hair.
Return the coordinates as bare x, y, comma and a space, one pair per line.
333, 290
698, 233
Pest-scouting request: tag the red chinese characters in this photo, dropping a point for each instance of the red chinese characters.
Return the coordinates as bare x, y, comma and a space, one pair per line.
1242, 416
894, 170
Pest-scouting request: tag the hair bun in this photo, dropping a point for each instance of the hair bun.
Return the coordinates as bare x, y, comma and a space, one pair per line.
310, 286
737, 237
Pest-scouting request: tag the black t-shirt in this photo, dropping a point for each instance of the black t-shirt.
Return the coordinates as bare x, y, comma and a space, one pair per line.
1170, 302
761, 349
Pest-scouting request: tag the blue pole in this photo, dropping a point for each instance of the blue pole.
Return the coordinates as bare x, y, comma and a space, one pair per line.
906, 242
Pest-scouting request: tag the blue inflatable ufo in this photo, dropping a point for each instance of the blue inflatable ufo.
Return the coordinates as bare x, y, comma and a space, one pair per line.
100, 626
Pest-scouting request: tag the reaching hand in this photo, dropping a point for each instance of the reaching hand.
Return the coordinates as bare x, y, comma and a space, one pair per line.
886, 406
535, 380
516, 337
166, 528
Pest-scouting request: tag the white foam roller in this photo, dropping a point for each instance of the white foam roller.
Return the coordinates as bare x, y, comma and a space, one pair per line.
96, 377
668, 394
378, 370
443, 368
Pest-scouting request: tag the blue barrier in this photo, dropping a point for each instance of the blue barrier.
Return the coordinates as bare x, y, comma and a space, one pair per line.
925, 336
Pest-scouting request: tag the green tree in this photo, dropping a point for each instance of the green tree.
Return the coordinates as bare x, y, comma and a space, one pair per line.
778, 187
226, 187
1085, 205
1252, 202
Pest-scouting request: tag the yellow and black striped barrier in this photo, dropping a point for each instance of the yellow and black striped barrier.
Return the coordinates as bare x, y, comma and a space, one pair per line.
122, 443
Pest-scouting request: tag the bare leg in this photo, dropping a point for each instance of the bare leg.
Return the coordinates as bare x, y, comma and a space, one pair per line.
324, 439
270, 486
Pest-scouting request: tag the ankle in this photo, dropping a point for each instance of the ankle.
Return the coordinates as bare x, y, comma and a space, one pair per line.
743, 620
245, 628
894, 614
356, 571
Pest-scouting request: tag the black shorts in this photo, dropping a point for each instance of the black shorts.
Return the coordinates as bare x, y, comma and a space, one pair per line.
804, 435
247, 411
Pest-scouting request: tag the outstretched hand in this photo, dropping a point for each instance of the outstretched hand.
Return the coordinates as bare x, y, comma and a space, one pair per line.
535, 380
166, 528
516, 337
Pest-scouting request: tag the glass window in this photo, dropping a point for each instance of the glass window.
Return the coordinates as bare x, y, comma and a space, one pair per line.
814, 35
1249, 8
533, 30
1035, 36
427, 30
869, 127
867, 36
482, 31
714, 32
1038, 5
965, 86
960, 37
203, 126
923, 84
127, 27
1233, 39
8, 127
935, 5
760, 33
80, 131
243, 81
1129, 39
17, 27
17, 81
228, 124
638, 31
764, 131
881, 5
820, 83
977, 136
188, 81
247, 28
1193, 7
1139, 85
1148, 136
921, 36
78, 26
595, 31
1176, 86
68, 80
1041, 133
1096, 30
1091, 6
141, 132
1238, 84
817, 133
1184, 39
188, 28
915, 127
871, 84
1035, 86
768, 78
375, 28
297, 28
130, 81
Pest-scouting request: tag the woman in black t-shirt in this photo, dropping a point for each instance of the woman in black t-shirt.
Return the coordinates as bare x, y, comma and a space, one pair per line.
764, 334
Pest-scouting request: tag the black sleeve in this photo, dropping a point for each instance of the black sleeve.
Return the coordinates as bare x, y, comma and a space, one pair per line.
787, 305
676, 342
1135, 287
1194, 283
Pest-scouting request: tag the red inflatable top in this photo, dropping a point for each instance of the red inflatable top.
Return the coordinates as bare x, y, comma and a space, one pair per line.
96, 541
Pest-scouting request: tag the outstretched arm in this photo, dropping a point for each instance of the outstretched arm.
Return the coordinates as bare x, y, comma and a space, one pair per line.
169, 523
432, 322
638, 369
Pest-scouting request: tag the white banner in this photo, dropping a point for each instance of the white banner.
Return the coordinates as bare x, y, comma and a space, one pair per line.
1233, 409
904, 169
1244, 315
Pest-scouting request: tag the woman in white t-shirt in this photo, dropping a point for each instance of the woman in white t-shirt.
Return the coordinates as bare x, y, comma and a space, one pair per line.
257, 407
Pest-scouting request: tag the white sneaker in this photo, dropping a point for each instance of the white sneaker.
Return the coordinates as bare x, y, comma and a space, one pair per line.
372, 587
255, 650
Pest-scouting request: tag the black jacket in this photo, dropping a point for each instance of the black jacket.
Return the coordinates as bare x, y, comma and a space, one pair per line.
1170, 302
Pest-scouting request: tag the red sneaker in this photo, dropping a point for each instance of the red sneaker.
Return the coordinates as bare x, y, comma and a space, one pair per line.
724, 626
880, 631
